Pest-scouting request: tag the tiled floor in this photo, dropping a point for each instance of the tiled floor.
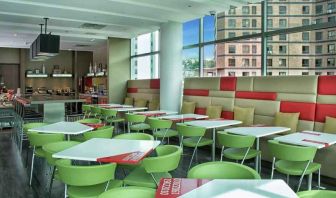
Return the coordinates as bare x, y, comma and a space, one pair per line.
14, 173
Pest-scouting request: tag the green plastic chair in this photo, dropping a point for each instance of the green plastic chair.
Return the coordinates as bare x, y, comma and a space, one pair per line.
136, 122
294, 160
317, 194
37, 140
103, 132
26, 127
134, 136
96, 112
90, 121
239, 147
86, 181
161, 128
51, 148
129, 192
222, 170
86, 110
153, 169
110, 117
195, 138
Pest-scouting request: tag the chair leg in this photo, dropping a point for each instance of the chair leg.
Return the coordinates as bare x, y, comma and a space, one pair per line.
32, 167
310, 178
156, 183
319, 179
287, 179
52, 180
303, 174
273, 163
192, 157
222, 152
65, 190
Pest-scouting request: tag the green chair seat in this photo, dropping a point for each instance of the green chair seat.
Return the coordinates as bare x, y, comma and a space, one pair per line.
317, 194
239, 153
295, 168
139, 177
164, 133
111, 120
139, 127
129, 192
39, 152
92, 191
192, 142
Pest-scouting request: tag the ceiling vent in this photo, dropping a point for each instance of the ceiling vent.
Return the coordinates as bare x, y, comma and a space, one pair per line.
92, 26
82, 45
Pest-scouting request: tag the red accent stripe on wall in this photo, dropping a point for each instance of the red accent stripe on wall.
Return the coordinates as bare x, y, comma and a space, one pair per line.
306, 109
323, 110
256, 95
132, 90
228, 83
326, 85
154, 83
196, 92
227, 115
200, 110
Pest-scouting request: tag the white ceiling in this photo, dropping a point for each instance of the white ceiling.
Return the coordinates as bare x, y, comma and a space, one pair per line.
19, 19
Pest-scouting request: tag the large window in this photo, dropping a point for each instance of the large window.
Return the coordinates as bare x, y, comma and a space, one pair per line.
290, 48
144, 56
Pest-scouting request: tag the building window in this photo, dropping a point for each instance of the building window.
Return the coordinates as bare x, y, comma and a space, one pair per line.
269, 49
269, 10
254, 74
282, 49
232, 23
305, 9
318, 62
305, 62
232, 73
282, 37
305, 73
246, 10
305, 21
305, 49
254, 23
232, 10
269, 73
246, 62
330, 73
305, 36
282, 23
318, 36
246, 33
254, 49
246, 49
254, 62
232, 34
269, 23
245, 74
282, 62
269, 62
331, 7
319, 9
318, 49
282, 10
331, 62
254, 9
232, 49
332, 19
331, 48
246, 23
319, 21
318, 73
282, 73
232, 62
331, 34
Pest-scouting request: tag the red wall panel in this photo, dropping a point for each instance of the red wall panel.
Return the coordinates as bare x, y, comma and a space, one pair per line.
196, 92
326, 85
323, 110
306, 109
228, 83
256, 95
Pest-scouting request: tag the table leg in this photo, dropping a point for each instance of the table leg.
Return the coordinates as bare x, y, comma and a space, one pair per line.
68, 137
258, 156
213, 144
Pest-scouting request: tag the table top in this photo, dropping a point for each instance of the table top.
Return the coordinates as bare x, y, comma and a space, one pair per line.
156, 113
128, 109
112, 105
43, 99
211, 124
258, 131
110, 150
309, 138
183, 117
191, 188
68, 128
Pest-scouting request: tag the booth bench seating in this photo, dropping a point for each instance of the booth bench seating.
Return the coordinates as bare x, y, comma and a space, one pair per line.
314, 97
143, 93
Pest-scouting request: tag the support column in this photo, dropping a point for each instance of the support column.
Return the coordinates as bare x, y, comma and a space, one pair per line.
171, 69
119, 68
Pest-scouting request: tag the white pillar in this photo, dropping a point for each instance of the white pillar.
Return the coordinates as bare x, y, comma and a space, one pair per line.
171, 70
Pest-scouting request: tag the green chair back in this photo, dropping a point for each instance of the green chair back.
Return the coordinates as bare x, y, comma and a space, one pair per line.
129, 192
55, 147
168, 159
99, 133
190, 131
32, 125
135, 118
96, 110
134, 136
39, 139
222, 170
291, 152
90, 121
106, 113
317, 194
156, 123
84, 175
86, 108
235, 141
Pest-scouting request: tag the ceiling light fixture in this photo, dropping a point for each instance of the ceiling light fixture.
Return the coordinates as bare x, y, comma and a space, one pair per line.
92, 40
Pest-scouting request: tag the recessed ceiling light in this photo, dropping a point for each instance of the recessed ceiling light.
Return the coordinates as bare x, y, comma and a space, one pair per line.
189, 6
69, 49
93, 39
15, 34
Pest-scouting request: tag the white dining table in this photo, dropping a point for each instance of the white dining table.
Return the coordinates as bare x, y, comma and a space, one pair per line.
129, 109
183, 117
109, 150
258, 132
156, 113
113, 105
223, 188
66, 128
213, 124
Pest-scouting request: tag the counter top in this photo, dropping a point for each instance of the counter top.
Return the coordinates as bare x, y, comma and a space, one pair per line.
40, 99
92, 95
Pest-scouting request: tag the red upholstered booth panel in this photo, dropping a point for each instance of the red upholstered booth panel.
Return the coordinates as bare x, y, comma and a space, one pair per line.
228, 83
227, 115
323, 110
306, 109
199, 110
196, 92
256, 95
326, 85
132, 90
154, 83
